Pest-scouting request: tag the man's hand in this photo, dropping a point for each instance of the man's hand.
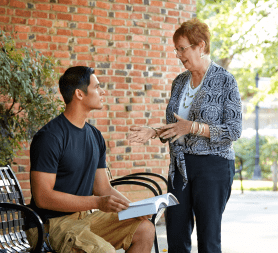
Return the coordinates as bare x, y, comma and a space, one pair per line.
112, 204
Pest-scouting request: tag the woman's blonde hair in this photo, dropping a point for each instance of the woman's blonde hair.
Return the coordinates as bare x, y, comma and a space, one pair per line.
195, 31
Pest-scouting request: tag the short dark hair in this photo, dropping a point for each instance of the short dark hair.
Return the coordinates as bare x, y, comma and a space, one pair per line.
74, 78
195, 31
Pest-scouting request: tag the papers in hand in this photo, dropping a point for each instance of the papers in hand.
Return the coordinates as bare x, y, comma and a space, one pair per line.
148, 206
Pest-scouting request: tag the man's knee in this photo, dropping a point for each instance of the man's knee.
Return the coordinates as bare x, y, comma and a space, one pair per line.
146, 231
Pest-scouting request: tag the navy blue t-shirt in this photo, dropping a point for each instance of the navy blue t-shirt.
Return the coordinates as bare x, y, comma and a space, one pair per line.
72, 153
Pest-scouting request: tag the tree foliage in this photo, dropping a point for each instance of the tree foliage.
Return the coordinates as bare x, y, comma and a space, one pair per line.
246, 149
27, 95
246, 30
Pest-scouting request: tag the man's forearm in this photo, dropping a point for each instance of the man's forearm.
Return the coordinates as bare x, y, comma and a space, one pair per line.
64, 202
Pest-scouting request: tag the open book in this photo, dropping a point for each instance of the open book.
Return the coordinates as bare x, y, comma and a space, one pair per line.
148, 206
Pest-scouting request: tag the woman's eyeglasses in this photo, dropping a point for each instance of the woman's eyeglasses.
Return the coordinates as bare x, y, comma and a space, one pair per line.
181, 50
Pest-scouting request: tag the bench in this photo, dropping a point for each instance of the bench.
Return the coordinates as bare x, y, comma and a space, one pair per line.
15, 215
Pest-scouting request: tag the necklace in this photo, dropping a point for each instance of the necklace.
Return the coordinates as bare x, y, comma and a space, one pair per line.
193, 95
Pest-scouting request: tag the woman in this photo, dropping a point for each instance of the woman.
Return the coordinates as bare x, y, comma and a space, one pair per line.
203, 119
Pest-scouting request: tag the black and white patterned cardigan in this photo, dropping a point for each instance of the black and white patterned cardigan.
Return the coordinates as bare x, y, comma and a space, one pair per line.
217, 104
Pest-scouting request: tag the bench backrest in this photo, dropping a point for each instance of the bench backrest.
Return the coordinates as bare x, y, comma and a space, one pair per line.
12, 235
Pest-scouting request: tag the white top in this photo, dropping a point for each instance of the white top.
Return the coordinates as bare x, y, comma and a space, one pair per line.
186, 100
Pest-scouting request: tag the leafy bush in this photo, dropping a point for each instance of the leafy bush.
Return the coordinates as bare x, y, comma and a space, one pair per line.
27, 95
246, 149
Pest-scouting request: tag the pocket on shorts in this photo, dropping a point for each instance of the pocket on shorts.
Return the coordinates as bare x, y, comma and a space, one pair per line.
85, 241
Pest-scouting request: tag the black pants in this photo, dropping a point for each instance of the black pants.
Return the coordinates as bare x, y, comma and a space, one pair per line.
205, 196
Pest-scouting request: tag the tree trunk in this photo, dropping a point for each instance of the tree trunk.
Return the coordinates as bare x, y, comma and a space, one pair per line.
274, 175
225, 62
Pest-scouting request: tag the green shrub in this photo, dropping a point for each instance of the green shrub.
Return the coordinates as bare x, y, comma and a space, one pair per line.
246, 149
27, 95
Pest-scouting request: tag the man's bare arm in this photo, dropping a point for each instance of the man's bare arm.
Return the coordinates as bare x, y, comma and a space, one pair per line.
47, 198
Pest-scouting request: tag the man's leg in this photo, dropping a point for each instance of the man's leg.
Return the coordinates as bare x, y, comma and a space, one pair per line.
142, 240
133, 235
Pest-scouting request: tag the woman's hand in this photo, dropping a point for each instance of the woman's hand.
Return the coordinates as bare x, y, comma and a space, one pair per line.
176, 130
140, 134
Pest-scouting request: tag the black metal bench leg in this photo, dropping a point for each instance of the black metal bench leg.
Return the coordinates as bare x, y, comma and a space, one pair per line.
156, 243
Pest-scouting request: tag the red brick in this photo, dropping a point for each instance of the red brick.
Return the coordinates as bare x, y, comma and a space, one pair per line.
84, 10
43, 7
80, 2
101, 20
102, 5
81, 49
118, 22
83, 41
4, 2
121, 30
139, 8
121, 15
171, 20
10, 12
59, 8
65, 2
18, 21
79, 33
170, 5
39, 29
17, 4
139, 38
31, 21
118, 37
39, 45
118, 7
84, 57
63, 32
105, 36
85, 26
61, 54
22, 28
64, 16
53, 47
156, 3
60, 23
22, 13
117, 108
44, 22
43, 38
60, 39
136, 30
80, 18
4, 19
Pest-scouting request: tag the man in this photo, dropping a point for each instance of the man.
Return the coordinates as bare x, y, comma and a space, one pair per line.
68, 165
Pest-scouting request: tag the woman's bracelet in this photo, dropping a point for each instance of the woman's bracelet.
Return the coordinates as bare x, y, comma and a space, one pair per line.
201, 129
192, 127
156, 133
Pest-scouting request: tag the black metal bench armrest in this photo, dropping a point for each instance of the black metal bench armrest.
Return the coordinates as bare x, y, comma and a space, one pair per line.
129, 177
122, 181
149, 174
30, 213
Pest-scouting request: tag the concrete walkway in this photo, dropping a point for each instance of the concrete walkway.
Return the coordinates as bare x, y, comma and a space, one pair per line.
250, 224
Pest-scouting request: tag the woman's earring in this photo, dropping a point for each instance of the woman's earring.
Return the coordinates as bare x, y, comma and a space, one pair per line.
202, 55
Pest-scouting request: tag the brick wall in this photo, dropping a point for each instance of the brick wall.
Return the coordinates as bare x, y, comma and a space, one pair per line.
129, 43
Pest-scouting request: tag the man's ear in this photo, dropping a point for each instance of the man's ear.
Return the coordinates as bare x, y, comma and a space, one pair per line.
79, 94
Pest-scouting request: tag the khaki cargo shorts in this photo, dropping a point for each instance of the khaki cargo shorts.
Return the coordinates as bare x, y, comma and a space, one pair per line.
91, 232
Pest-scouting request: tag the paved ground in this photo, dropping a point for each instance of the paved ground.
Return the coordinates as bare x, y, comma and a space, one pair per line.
250, 224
